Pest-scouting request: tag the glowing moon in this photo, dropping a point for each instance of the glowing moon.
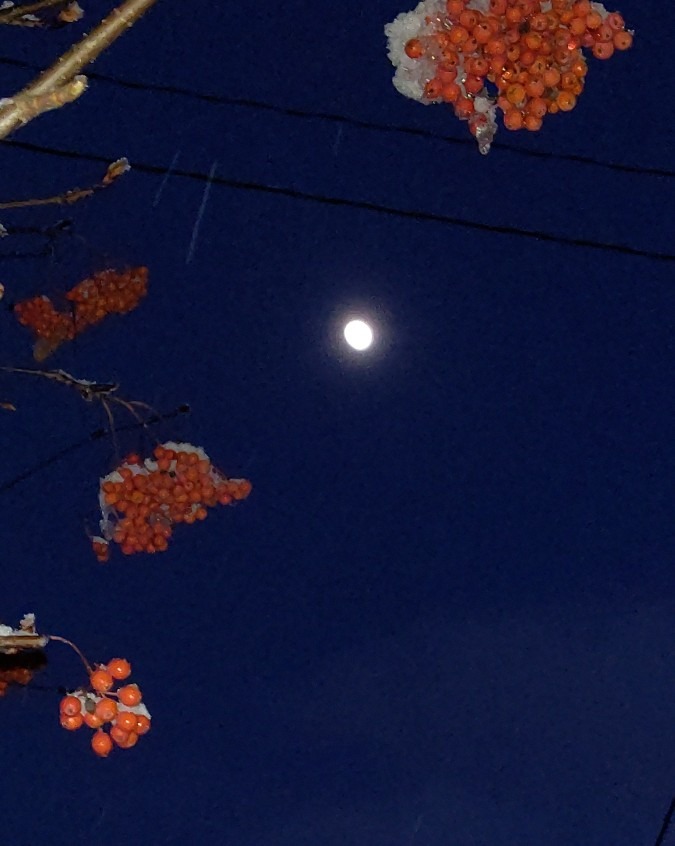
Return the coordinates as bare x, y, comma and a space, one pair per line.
358, 335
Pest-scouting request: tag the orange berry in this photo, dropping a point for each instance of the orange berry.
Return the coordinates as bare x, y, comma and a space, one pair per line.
615, 21
464, 107
470, 46
70, 706
469, 18
106, 709
593, 20
101, 680
579, 67
482, 33
533, 123
513, 119
623, 40
513, 15
605, 33
129, 695
480, 66
532, 40
119, 668
458, 35
539, 22
131, 740
450, 93
143, 724
414, 48
538, 67
432, 91
119, 735
438, 41
603, 50
72, 722
101, 744
568, 81
516, 94
92, 720
454, 7
495, 46
551, 77
445, 76
449, 61
536, 107
535, 88
577, 26
473, 84
513, 52
561, 56
126, 720
566, 101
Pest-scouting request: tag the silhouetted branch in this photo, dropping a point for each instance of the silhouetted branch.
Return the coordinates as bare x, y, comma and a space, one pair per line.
114, 171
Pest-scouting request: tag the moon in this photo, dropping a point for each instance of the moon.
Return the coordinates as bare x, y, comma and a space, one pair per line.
358, 334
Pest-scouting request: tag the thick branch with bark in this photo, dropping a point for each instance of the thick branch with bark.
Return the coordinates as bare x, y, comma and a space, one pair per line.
63, 83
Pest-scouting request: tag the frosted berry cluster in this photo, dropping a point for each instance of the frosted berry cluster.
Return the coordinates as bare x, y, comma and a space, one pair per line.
524, 57
142, 500
117, 717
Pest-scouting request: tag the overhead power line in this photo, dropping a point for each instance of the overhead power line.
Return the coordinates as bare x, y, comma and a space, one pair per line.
97, 435
663, 833
344, 120
363, 205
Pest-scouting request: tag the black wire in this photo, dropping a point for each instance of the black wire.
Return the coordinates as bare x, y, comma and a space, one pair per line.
96, 435
660, 839
364, 205
244, 102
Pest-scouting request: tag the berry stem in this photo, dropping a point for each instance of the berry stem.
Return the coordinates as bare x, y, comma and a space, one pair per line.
74, 648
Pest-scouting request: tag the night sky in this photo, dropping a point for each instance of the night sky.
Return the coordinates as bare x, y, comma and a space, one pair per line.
444, 617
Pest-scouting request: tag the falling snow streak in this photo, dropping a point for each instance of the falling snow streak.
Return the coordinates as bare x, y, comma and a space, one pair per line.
200, 214
165, 179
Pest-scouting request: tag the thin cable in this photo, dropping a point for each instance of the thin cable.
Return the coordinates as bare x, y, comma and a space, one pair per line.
243, 102
96, 435
661, 837
362, 205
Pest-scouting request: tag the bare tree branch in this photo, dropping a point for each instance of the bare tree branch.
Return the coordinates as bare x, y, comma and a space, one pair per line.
114, 171
62, 83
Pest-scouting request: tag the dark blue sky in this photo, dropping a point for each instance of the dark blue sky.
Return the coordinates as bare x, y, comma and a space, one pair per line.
445, 615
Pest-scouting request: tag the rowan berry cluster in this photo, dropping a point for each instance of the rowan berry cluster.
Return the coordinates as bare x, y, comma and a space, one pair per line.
101, 707
106, 292
14, 675
142, 500
522, 56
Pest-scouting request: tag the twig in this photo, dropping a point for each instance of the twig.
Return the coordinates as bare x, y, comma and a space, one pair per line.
69, 643
73, 195
97, 435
